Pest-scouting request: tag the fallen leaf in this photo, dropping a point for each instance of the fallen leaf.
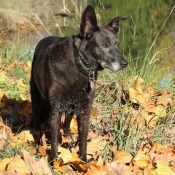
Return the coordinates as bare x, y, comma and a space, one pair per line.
95, 145
4, 163
162, 169
58, 165
9, 172
22, 138
141, 160
143, 99
36, 167
122, 157
73, 126
133, 95
118, 169
160, 111
164, 99
138, 85
96, 170
64, 154
80, 165
41, 150
18, 165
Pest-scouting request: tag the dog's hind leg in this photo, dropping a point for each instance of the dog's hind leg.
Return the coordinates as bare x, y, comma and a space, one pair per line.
83, 127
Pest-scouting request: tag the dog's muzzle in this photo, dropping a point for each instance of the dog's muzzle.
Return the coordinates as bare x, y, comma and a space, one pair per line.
123, 63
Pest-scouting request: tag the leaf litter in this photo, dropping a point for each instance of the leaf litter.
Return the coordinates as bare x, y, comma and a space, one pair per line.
147, 105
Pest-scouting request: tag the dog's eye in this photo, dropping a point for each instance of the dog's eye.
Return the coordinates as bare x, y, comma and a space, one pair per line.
105, 45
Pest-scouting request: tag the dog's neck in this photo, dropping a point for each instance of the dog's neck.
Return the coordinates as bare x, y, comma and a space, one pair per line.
81, 64
79, 61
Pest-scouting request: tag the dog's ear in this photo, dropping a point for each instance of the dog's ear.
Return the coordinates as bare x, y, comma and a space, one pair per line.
88, 22
114, 26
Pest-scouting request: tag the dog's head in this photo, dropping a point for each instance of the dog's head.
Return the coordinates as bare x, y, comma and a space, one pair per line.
102, 42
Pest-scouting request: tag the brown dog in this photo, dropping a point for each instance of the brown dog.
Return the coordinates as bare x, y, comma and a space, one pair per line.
64, 72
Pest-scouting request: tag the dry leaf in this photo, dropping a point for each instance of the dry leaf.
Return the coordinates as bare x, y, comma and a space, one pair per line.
133, 95
18, 165
4, 163
73, 126
64, 154
36, 167
164, 99
80, 165
118, 169
22, 138
160, 111
162, 169
95, 145
141, 160
122, 157
138, 85
41, 150
9, 172
58, 165
96, 170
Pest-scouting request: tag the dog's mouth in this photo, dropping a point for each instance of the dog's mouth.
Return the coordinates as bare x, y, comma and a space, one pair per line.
115, 66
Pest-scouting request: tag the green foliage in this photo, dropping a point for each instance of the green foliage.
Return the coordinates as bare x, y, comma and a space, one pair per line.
9, 151
145, 19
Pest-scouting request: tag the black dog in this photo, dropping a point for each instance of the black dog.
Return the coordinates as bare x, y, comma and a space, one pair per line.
64, 72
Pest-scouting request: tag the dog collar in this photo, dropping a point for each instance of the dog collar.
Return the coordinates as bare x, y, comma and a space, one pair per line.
85, 70
82, 67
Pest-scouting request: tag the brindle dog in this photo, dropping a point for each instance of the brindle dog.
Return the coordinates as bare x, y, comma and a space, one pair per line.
64, 73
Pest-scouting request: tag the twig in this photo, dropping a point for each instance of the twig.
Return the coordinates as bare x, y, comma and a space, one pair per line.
35, 29
42, 24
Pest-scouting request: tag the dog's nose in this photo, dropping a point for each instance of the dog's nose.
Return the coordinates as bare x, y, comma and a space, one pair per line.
123, 63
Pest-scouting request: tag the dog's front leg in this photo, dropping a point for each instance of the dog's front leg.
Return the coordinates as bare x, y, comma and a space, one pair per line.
55, 131
83, 128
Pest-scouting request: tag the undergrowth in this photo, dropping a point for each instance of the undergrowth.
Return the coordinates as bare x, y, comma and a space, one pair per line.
108, 94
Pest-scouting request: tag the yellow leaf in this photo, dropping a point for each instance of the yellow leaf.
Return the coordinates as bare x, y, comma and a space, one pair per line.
95, 145
74, 126
4, 163
58, 165
22, 138
122, 157
142, 160
143, 99
133, 95
35, 167
160, 111
69, 158
162, 169
150, 120
80, 165
65, 154
18, 165
138, 86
